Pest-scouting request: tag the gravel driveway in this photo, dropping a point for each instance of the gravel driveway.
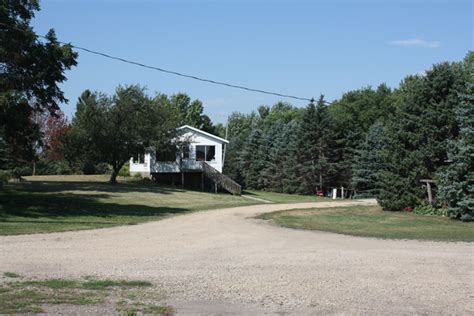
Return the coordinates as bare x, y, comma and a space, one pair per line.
225, 261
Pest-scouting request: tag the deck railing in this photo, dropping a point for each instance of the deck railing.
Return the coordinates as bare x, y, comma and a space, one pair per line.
221, 179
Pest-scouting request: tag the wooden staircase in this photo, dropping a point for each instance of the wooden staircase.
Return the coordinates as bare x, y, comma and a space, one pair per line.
221, 180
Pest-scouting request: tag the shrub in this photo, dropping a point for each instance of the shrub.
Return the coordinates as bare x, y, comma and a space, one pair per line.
426, 209
124, 171
4, 177
137, 175
53, 168
103, 168
21, 171
88, 168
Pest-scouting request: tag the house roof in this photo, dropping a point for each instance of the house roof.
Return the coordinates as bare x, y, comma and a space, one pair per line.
203, 133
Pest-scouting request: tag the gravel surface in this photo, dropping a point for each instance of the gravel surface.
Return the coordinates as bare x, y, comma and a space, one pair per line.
225, 261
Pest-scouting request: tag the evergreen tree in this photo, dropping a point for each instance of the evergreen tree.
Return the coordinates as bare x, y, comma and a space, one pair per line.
316, 149
253, 159
276, 139
369, 163
456, 183
239, 127
354, 114
290, 158
418, 134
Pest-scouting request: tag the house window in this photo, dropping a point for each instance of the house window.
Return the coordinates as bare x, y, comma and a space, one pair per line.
205, 153
185, 151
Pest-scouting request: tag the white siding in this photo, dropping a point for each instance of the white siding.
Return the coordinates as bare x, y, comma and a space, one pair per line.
195, 139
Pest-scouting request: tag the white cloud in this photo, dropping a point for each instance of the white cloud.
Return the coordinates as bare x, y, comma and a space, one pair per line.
415, 42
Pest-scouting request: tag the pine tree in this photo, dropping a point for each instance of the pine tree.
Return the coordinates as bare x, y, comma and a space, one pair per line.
369, 163
278, 140
456, 183
418, 134
253, 158
316, 149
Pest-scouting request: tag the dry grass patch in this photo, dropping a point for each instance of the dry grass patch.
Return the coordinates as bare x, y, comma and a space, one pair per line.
128, 297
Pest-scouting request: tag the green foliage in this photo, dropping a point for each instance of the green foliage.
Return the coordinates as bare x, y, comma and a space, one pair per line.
379, 142
316, 150
21, 171
113, 129
369, 163
124, 171
4, 177
426, 209
29, 84
52, 167
354, 115
102, 168
456, 182
187, 112
418, 134
10, 275
253, 159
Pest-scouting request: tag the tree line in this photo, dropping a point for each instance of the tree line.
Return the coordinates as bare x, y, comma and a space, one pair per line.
377, 142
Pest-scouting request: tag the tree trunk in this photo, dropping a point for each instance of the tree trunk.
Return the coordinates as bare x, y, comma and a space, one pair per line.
113, 176
115, 171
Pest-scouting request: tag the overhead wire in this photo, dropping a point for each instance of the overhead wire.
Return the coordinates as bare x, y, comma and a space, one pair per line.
172, 72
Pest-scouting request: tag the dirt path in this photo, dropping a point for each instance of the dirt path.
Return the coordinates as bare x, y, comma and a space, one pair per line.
226, 261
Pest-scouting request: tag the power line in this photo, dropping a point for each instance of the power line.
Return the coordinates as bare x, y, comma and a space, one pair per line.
230, 85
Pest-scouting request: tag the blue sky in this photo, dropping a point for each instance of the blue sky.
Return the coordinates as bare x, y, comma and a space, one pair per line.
303, 48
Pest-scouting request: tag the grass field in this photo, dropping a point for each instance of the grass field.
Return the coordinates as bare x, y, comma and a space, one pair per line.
371, 221
18, 295
61, 203
284, 198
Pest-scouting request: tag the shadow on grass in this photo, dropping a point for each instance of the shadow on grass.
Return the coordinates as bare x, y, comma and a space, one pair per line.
57, 186
29, 200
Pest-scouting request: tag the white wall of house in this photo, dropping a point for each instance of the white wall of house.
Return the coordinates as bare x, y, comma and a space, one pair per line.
144, 166
204, 140
196, 140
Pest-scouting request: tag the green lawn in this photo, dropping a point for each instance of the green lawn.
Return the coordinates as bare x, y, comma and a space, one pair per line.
371, 221
61, 203
284, 198
20, 295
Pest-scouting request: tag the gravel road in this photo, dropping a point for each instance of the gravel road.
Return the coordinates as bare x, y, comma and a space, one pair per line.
225, 261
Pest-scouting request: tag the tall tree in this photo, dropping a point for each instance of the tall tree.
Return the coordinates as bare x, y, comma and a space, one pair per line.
189, 112
55, 133
30, 73
113, 129
316, 151
353, 116
418, 134
253, 159
239, 128
369, 163
277, 173
456, 182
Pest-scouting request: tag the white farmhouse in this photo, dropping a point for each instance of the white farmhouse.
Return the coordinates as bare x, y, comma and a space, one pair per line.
201, 163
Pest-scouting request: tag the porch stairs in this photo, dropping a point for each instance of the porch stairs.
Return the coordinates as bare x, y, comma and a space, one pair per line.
221, 180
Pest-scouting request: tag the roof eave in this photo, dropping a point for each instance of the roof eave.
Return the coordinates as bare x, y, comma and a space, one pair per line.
204, 133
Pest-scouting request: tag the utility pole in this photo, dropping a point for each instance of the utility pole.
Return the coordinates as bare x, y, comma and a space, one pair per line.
225, 146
